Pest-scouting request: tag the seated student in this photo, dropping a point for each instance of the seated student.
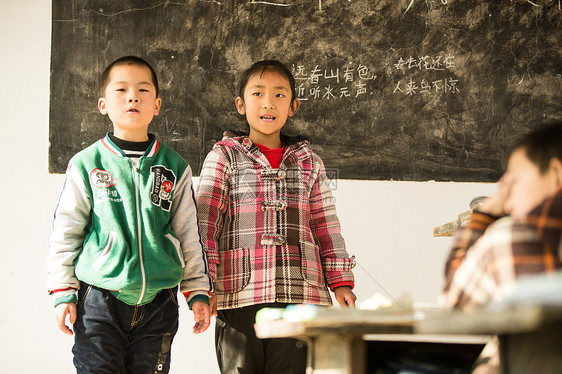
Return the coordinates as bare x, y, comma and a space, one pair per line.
516, 232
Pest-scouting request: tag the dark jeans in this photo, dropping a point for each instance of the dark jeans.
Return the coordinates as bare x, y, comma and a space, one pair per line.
240, 351
112, 337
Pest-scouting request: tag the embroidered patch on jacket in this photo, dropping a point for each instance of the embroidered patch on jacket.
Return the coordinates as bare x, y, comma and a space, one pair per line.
102, 178
162, 186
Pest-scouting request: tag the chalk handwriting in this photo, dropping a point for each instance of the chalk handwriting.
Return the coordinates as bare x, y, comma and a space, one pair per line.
332, 83
427, 85
354, 81
438, 86
444, 2
426, 63
271, 2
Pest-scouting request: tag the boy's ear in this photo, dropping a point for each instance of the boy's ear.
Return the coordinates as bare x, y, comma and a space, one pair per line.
101, 106
295, 104
158, 104
556, 169
240, 105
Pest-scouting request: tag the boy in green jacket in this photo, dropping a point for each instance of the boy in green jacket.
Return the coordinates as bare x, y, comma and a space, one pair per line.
125, 235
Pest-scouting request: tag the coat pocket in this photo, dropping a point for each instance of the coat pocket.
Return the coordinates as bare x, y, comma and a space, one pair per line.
311, 266
233, 270
104, 255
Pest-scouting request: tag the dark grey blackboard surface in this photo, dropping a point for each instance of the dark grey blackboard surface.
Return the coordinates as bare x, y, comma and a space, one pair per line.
391, 90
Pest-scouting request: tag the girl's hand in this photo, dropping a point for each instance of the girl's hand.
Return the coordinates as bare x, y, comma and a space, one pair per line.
345, 297
213, 305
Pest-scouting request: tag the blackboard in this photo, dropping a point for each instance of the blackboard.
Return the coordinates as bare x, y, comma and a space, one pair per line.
390, 89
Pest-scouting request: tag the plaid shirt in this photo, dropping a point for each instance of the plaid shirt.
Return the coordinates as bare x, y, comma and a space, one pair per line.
490, 255
271, 235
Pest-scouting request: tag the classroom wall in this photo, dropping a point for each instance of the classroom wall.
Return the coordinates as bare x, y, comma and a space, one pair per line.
387, 225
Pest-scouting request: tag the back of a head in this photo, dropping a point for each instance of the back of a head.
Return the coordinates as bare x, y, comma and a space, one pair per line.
542, 145
123, 61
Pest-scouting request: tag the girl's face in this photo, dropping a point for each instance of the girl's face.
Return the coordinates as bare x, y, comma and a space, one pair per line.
267, 103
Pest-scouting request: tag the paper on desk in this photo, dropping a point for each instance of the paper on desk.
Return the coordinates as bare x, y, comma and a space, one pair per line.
379, 301
401, 306
384, 307
376, 301
292, 313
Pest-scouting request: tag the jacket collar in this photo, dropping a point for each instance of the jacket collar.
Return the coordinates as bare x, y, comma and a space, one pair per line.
113, 148
296, 147
547, 219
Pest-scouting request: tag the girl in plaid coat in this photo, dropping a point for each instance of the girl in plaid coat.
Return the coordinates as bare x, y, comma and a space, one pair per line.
269, 227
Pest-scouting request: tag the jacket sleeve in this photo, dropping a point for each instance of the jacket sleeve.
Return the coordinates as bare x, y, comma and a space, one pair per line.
196, 278
72, 216
490, 258
464, 240
326, 228
212, 202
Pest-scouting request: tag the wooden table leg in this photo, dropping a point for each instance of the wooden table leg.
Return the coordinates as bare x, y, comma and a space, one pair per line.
336, 354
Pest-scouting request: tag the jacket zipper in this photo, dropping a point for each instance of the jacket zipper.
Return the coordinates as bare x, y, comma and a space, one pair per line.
139, 238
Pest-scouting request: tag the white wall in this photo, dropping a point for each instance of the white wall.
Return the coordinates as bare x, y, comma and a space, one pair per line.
387, 225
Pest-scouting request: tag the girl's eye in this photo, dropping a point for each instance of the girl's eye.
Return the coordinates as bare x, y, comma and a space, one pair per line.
120, 90
143, 90
280, 95
256, 94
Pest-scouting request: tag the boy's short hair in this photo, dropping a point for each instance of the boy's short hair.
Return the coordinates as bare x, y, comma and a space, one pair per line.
542, 145
260, 67
126, 60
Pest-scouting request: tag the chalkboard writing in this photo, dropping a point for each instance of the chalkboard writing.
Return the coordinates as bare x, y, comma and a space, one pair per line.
315, 83
390, 90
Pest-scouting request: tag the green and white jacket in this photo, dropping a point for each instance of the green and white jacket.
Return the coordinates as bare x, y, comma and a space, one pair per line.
131, 230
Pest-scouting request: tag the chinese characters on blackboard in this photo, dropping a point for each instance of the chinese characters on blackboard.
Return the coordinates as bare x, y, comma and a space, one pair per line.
354, 81
436, 80
346, 82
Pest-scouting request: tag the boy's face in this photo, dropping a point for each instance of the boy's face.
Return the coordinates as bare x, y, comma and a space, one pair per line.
527, 186
130, 101
267, 105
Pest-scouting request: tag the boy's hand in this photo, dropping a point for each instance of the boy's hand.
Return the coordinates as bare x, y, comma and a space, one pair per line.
495, 204
63, 310
345, 297
213, 305
201, 315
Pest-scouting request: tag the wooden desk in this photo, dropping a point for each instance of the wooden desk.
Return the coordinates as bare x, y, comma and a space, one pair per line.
530, 336
345, 341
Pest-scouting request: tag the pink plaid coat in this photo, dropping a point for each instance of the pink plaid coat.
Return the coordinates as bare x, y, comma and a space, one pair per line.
271, 235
